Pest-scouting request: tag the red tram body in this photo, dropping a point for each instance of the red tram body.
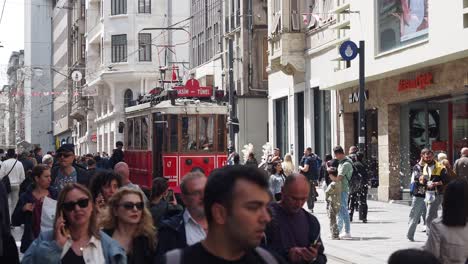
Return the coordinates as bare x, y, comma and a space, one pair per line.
170, 140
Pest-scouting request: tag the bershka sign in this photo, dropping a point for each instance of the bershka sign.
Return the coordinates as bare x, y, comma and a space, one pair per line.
420, 82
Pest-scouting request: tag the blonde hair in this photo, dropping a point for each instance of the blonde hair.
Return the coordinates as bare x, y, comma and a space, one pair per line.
145, 227
442, 156
92, 228
288, 165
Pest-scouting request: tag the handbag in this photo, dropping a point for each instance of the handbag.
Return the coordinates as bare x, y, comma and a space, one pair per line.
6, 179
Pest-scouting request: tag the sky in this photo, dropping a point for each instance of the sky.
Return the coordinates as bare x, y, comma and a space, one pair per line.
11, 33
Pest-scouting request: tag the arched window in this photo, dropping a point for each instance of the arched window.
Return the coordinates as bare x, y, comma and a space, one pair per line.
128, 97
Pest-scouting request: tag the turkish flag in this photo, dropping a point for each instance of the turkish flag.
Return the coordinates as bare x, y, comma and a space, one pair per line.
174, 74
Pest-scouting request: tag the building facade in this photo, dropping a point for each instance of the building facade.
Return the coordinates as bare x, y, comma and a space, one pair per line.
415, 83
14, 101
300, 113
216, 24
37, 88
123, 57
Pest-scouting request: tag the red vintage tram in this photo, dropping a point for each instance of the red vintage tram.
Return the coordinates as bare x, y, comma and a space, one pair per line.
171, 138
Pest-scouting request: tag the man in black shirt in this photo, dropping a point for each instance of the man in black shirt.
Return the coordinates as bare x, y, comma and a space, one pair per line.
235, 201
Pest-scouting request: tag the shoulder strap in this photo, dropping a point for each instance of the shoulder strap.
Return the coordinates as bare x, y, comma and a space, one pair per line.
11, 168
174, 256
267, 257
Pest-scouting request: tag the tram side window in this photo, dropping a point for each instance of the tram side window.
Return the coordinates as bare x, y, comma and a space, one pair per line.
137, 130
222, 133
144, 132
130, 134
189, 133
174, 133
205, 133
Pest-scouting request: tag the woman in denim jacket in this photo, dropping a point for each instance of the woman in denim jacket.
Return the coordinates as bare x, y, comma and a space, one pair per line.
75, 237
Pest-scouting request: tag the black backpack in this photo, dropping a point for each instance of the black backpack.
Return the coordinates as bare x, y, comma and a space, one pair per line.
355, 181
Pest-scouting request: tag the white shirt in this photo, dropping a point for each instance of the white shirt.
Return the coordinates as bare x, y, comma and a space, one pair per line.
193, 231
92, 252
16, 175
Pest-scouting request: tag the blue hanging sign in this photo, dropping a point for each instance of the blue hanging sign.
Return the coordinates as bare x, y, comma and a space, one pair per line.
348, 50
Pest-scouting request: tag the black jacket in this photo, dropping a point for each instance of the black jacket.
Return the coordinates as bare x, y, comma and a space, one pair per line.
142, 253
20, 217
171, 234
82, 176
273, 236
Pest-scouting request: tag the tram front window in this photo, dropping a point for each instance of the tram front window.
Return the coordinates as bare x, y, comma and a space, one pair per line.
205, 133
189, 133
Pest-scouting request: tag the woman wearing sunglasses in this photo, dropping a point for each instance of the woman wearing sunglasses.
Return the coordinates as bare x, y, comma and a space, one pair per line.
129, 222
75, 238
28, 210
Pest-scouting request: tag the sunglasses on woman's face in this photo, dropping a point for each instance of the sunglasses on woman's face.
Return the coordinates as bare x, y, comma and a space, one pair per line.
129, 205
70, 206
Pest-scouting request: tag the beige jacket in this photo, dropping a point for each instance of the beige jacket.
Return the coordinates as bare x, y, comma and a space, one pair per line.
448, 244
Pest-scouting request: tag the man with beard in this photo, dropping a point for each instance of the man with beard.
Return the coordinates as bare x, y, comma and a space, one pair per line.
436, 175
293, 232
190, 226
236, 206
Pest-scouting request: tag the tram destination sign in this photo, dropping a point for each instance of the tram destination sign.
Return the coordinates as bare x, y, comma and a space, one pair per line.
192, 88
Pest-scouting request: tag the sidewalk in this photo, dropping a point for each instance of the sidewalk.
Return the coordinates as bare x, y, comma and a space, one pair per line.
374, 242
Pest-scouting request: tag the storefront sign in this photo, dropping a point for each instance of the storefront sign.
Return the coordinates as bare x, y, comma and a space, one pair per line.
192, 88
354, 97
420, 82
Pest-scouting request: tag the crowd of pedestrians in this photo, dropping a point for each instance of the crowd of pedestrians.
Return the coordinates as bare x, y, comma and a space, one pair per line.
86, 210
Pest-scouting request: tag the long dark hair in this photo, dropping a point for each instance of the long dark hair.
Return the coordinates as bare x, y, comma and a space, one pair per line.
273, 166
455, 204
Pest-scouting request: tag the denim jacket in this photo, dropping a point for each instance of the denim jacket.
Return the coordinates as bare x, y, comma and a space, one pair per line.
45, 250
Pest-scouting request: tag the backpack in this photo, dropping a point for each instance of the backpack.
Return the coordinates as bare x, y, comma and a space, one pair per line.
355, 181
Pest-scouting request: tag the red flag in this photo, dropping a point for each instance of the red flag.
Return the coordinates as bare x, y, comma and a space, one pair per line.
174, 74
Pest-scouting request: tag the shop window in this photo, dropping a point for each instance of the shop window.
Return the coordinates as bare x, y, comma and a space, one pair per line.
401, 22
281, 112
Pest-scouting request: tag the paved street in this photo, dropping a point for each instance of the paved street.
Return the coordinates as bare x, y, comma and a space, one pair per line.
373, 242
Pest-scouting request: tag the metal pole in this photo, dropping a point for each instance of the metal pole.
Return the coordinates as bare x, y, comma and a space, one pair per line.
231, 96
362, 99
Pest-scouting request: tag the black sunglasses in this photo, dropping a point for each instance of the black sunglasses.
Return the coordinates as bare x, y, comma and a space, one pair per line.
70, 206
129, 205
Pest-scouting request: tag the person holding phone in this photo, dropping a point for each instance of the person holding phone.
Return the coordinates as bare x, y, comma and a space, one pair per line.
76, 237
129, 222
163, 201
28, 210
293, 232
103, 186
